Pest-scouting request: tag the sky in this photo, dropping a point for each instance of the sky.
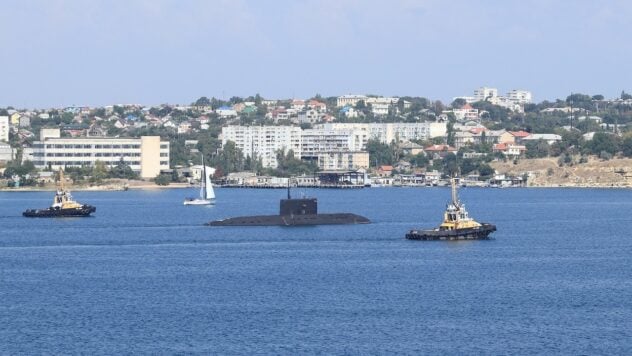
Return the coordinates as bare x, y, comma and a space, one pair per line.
56, 53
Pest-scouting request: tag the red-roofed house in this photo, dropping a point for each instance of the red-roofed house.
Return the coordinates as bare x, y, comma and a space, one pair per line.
439, 151
519, 135
509, 149
466, 113
384, 171
317, 105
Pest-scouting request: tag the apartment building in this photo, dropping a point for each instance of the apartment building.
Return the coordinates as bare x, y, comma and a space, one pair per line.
263, 142
315, 141
485, 93
4, 129
351, 100
389, 132
337, 160
520, 96
146, 155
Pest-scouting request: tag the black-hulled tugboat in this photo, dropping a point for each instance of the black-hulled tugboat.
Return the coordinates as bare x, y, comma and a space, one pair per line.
63, 205
294, 212
457, 224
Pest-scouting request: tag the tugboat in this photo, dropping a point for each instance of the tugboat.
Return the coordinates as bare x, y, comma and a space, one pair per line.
457, 224
63, 205
294, 212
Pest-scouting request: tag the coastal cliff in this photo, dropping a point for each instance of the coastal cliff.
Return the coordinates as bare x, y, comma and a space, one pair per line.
547, 172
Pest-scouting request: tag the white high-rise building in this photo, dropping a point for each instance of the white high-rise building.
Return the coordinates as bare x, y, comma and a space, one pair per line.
485, 93
4, 128
520, 96
388, 132
263, 142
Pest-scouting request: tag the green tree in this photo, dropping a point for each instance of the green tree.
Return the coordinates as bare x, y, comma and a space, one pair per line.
458, 103
626, 147
122, 170
203, 101
603, 142
162, 179
379, 153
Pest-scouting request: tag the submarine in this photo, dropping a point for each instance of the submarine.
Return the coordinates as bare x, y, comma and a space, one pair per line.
294, 212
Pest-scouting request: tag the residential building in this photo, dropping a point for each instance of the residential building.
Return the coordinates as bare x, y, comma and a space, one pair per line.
411, 148
389, 132
466, 113
350, 100
349, 112
499, 136
14, 119
309, 117
315, 141
439, 151
4, 129
509, 149
6, 152
520, 96
146, 155
264, 142
485, 93
384, 171
25, 121
226, 111
548, 138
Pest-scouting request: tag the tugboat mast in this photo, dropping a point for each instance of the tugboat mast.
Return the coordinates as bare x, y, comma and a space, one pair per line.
455, 197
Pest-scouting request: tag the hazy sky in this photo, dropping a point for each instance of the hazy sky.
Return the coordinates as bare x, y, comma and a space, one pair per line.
93, 52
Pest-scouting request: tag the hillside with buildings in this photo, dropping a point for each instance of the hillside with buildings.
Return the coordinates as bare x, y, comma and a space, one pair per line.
395, 139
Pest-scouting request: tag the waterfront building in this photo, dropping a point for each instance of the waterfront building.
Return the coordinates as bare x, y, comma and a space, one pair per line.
146, 155
343, 160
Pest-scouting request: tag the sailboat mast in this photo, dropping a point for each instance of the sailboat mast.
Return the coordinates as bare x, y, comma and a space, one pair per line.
203, 178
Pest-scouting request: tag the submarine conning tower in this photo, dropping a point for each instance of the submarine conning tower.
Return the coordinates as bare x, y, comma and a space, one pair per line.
304, 206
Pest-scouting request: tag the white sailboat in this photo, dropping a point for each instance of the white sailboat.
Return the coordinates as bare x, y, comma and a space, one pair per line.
207, 194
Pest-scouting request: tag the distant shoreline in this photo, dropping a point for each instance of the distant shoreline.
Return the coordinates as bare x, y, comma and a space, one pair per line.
111, 188
101, 188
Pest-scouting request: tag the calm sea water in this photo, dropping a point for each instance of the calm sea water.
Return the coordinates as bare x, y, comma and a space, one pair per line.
145, 276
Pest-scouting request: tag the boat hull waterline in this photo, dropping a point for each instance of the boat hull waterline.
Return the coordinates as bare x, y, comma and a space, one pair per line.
198, 202
52, 212
293, 220
474, 233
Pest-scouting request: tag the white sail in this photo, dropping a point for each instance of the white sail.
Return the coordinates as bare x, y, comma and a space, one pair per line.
210, 193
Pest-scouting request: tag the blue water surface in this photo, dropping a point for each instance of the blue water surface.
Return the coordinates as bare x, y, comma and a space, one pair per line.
144, 275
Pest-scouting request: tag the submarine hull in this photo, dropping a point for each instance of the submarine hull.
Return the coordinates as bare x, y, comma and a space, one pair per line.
84, 210
475, 233
292, 220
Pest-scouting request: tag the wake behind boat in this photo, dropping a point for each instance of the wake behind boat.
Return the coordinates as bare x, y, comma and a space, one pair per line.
63, 205
457, 224
207, 194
